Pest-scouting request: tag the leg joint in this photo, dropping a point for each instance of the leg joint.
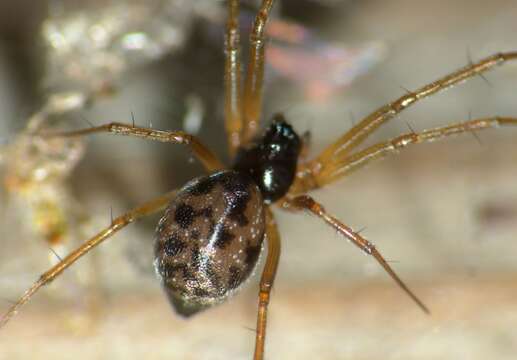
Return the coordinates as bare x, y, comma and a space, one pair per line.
305, 202
404, 140
264, 297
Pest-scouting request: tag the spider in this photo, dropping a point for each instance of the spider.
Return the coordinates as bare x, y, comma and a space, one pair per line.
213, 229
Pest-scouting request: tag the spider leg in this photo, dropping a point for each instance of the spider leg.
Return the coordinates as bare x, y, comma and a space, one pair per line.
117, 224
305, 202
357, 134
232, 79
207, 157
266, 282
343, 164
255, 73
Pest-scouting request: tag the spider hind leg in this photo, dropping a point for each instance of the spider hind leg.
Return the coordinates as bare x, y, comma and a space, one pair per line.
305, 202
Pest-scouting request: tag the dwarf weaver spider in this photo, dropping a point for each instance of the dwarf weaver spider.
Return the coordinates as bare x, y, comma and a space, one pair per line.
213, 229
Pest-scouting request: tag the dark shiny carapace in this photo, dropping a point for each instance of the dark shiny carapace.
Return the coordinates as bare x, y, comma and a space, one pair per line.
211, 235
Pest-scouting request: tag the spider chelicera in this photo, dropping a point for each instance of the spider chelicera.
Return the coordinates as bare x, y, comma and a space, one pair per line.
209, 239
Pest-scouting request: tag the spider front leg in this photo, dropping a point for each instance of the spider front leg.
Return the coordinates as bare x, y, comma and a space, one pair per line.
266, 282
305, 202
340, 166
357, 134
117, 224
207, 157
232, 79
255, 73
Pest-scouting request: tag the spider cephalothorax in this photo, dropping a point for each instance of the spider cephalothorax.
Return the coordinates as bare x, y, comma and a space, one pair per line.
271, 160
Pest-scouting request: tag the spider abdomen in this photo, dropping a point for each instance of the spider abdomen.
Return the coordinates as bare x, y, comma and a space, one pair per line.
209, 240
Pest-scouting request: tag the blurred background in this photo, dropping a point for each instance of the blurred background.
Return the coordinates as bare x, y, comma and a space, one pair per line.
444, 214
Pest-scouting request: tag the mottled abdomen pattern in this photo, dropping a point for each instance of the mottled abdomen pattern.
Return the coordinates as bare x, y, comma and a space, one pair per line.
209, 240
